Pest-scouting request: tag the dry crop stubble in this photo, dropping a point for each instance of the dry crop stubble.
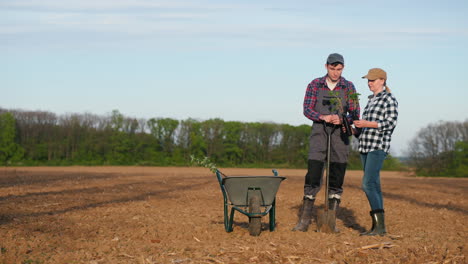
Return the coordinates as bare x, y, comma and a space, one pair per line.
175, 215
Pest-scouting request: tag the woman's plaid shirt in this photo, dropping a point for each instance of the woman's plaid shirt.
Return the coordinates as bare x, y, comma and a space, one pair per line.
383, 109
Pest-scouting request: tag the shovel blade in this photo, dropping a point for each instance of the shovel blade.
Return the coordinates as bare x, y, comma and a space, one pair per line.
326, 221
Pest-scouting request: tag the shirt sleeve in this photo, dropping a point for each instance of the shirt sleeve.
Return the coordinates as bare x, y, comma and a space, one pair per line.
390, 115
310, 99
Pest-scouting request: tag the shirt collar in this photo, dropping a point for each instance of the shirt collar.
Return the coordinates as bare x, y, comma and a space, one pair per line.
341, 81
377, 95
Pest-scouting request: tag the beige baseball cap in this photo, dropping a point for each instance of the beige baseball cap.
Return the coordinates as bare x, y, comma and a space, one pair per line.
375, 73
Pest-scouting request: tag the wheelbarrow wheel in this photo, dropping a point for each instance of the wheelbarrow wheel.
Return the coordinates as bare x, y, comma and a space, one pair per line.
255, 222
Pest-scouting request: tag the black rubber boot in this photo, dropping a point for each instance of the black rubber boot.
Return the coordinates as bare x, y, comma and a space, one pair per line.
333, 204
306, 215
378, 219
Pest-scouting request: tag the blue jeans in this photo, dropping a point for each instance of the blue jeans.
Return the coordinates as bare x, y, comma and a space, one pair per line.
372, 163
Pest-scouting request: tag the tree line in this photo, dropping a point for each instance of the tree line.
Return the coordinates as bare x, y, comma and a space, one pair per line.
440, 149
45, 138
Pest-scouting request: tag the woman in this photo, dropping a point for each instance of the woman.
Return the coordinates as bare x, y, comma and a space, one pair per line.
376, 127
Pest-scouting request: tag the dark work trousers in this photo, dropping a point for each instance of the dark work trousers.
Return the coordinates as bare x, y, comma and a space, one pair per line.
318, 154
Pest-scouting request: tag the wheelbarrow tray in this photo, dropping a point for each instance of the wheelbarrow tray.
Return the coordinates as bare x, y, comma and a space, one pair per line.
247, 195
237, 188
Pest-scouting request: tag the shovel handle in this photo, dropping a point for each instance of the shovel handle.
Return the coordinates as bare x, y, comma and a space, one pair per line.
327, 170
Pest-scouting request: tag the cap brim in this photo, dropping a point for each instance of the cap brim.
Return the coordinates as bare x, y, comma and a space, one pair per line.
367, 77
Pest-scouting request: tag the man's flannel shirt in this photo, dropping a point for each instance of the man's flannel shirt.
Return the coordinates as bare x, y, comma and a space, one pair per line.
311, 95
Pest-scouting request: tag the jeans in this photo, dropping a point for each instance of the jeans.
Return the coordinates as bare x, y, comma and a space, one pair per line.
372, 163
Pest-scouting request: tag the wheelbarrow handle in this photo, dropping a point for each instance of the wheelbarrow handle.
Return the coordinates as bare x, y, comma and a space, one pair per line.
218, 172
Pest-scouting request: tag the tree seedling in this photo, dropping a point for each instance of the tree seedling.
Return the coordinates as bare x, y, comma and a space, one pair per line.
205, 162
337, 106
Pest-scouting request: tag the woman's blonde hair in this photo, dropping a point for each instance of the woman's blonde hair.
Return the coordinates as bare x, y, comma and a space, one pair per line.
387, 89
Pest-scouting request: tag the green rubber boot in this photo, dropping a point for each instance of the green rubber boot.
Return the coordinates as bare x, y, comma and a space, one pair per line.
372, 228
378, 224
306, 215
333, 204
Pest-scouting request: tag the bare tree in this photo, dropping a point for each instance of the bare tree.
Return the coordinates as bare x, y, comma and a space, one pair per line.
432, 148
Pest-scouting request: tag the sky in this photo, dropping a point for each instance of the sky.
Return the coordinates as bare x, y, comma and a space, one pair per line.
240, 60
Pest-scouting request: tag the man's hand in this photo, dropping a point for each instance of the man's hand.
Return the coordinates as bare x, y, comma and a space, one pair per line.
334, 119
326, 118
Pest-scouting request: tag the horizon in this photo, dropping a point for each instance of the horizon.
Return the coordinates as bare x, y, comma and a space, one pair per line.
233, 60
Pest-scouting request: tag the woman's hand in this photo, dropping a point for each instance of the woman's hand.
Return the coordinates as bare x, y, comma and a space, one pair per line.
359, 123
364, 123
354, 131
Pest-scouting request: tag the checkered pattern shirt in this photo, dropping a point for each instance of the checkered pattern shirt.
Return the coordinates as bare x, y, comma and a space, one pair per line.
383, 109
311, 96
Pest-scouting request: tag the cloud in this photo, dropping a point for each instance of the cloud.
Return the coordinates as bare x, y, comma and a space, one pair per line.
163, 21
109, 5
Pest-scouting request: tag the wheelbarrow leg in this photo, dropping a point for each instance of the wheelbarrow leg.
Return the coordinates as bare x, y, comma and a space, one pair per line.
228, 219
231, 220
272, 216
273, 209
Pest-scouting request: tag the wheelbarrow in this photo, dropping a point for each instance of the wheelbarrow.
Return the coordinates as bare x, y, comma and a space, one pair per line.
253, 196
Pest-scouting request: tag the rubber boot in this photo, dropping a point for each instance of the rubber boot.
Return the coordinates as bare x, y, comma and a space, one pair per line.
306, 215
378, 218
373, 225
333, 204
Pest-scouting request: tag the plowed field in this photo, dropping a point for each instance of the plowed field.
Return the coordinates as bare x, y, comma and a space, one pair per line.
175, 215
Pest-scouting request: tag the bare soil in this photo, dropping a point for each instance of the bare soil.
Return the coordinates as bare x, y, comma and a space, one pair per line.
175, 215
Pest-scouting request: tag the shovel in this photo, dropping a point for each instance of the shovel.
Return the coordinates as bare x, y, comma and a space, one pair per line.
326, 218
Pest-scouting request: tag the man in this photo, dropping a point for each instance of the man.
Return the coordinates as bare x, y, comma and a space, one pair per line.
326, 100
